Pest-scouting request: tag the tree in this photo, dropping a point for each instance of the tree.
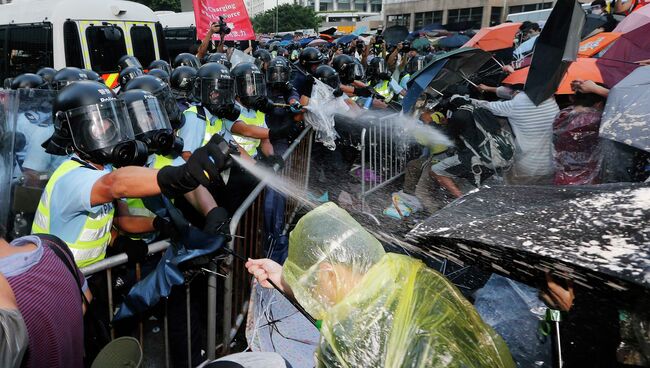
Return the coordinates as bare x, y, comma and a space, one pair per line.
155, 5
290, 17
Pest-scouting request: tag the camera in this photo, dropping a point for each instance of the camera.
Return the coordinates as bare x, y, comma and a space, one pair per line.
379, 40
223, 27
406, 46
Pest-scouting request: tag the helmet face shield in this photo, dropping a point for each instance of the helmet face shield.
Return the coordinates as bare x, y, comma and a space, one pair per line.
332, 81
250, 85
278, 74
99, 126
217, 92
359, 73
147, 115
168, 102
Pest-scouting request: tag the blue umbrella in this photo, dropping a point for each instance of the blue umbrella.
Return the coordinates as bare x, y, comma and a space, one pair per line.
345, 39
432, 27
285, 43
288, 36
420, 82
305, 41
454, 41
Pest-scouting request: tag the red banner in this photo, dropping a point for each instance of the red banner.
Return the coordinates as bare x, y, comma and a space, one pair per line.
235, 15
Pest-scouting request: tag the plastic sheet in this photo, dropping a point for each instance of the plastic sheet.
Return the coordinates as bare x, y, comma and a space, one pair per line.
378, 309
320, 113
13, 338
239, 57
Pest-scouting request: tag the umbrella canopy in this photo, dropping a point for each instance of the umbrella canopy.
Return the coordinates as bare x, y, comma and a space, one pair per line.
525, 48
582, 68
592, 21
432, 27
305, 41
596, 236
494, 38
626, 118
287, 36
619, 60
285, 43
317, 42
635, 20
597, 43
420, 43
346, 39
419, 84
453, 41
555, 48
329, 31
395, 34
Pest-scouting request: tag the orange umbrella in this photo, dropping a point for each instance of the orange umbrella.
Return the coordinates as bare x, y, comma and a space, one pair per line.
582, 68
494, 38
596, 43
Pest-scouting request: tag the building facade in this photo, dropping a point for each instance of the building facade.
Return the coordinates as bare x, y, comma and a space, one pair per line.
480, 13
255, 7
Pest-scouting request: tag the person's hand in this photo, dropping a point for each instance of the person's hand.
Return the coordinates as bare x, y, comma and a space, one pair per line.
584, 86
363, 91
295, 107
165, 228
508, 69
400, 46
217, 222
214, 28
263, 104
264, 270
556, 296
379, 104
483, 87
272, 160
136, 250
643, 62
228, 112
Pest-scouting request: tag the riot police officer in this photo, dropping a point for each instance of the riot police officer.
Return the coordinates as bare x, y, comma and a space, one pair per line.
162, 92
162, 65
380, 80
182, 86
127, 61
126, 75
310, 58
219, 58
187, 59
66, 76
262, 58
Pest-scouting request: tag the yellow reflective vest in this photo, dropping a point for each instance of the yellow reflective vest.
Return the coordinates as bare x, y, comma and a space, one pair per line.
250, 144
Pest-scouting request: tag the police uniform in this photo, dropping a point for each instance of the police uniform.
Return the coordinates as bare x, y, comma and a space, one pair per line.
388, 89
200, 125
250, 117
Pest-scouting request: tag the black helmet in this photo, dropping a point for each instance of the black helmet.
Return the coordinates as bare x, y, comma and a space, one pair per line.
160, 73
377, 69
220, 58
163, 93
182, 81
261, 56
283, 52
249, 83
187, 59
415, 64
28, 81
128, 74
93, 75
149, 121
359, 71
214, 87
278, 73
328, 75
127, 61
344, 65
89, 117
47, 74
310, 56
66, 76
160, 64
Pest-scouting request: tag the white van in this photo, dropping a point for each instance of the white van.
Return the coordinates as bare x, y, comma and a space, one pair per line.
90, 34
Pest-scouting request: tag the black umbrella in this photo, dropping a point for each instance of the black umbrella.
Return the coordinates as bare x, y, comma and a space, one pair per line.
556, 47
597, 236
592, 22
395, 34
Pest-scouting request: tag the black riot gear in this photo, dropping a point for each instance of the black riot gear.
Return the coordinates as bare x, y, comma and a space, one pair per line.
93, 75
215, 87
344, 65
278, 74
163, 93
378, 70
309, 57
47, 74
28, 80
128, 74
329, 76
187, 59
66, 76
182, 81
90, 118
262, 57
249, 84
162, 65
127, 61
359, 71
219, 58
149, 121
160, 74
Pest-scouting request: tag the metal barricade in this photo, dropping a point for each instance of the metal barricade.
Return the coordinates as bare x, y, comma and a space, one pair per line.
383, 155
247, 225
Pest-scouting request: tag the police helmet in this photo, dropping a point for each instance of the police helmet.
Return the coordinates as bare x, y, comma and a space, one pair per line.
249, 83
415, 64
163, 93
328, 75
261, 56
278, 73
150, 122
187, 59
215, 87
378, 69
220, 58
127, 74
90, 118
47, 74
127, 61
359, 71
344, 65
182, 81
28, 81
67, 76
160, 64
93, 75
310, 56
160, 73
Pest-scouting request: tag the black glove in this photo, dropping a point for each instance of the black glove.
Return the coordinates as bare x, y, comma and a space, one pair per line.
338, 92
271, 161
379, 97
202, 168
136, 250
310, 79
263, 104
287, 130
165, 228
229, 112
217, 222
362, 91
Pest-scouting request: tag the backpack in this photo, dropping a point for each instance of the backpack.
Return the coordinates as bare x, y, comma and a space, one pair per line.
497, 150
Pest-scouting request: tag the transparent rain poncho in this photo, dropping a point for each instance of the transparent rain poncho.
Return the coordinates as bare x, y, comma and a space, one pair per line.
396, 312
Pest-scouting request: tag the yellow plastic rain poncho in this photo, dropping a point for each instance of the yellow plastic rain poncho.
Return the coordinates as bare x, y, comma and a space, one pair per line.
395, 312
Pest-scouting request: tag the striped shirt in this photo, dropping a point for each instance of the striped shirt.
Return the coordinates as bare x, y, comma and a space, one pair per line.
49, 300
533, 129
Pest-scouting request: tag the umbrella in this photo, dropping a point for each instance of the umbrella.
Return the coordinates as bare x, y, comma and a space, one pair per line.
494, 38
329, 31
417, 85
592, 21
619, 60
582, 68
555, 48
597, 43
287, 36
420, 43
305, 41
635, 20
285, 43
346, 39
395, 34
453, 41
597, 236
317, 42
626, 118
525, 48
432, 27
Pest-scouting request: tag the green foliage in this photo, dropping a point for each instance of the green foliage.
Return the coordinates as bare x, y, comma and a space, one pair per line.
155, 5
290, 17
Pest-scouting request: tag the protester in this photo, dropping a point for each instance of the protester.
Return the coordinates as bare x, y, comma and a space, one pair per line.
13, 332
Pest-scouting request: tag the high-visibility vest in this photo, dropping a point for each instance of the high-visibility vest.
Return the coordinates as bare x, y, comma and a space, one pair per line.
90, 244
384, 90
211, 128
136, 206
250, 144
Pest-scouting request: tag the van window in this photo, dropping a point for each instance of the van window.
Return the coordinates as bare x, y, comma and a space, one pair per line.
106, 46
3, 55
142, 41
72, 44
29, 48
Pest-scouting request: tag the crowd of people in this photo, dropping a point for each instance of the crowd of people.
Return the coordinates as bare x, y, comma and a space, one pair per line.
111, 155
